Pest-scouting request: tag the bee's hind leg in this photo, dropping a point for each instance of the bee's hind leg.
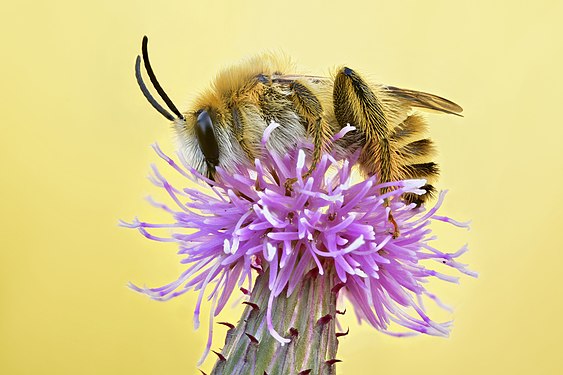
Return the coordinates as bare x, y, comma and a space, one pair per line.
310, 110
356, 103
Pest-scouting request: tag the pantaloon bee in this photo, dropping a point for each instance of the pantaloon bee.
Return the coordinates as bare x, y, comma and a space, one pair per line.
226, 125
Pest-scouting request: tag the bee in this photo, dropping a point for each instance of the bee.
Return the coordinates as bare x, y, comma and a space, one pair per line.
227, 122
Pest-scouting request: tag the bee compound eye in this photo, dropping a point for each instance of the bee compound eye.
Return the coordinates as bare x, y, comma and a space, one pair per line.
206, 138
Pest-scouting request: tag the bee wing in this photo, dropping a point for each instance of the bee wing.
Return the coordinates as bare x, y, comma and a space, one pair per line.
288, 78
425, 100
413, 98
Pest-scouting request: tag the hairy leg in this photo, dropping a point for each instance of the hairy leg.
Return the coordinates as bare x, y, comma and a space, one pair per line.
355, 103
310, 109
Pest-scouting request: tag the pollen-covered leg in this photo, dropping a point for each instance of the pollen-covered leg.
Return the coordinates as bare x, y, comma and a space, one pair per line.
355, 103
310, 109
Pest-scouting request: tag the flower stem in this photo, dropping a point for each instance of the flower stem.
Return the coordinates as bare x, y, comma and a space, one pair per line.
307, 318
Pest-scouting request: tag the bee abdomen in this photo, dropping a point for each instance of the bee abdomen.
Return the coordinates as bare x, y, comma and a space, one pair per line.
417, 150
421, 170
414, 156
412, 128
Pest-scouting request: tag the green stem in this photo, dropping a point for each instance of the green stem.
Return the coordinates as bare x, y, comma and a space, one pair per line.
307, 318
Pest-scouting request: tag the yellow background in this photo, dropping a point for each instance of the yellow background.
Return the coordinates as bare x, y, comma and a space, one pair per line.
74, 151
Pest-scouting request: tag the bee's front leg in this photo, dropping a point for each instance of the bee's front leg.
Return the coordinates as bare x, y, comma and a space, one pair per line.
356, 103
309, 108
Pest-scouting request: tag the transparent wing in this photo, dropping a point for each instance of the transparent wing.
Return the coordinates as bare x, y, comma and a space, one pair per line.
425, 100
413, 98
288, 78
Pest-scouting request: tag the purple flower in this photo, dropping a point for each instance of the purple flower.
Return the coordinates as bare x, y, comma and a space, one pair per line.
247, 221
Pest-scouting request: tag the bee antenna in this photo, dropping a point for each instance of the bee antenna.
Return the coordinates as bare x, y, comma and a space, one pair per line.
154, 81
147, 94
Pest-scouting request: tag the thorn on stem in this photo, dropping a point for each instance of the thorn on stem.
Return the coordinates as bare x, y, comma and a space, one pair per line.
221, 356
339, 334
324, 319
341, 312
335, 289
293, 332
226, 324
245, 291
253, 339
331, 362
202, 372
305, 372
254, 306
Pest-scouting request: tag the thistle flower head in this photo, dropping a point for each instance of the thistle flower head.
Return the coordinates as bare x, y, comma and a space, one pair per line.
248, 221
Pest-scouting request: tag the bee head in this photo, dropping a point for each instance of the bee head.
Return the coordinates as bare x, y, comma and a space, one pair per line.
203, 154
206, 141
211, 136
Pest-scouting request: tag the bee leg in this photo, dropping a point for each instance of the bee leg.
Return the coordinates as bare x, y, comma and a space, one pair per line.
239, 125
310, 109
396, 231
355, 103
